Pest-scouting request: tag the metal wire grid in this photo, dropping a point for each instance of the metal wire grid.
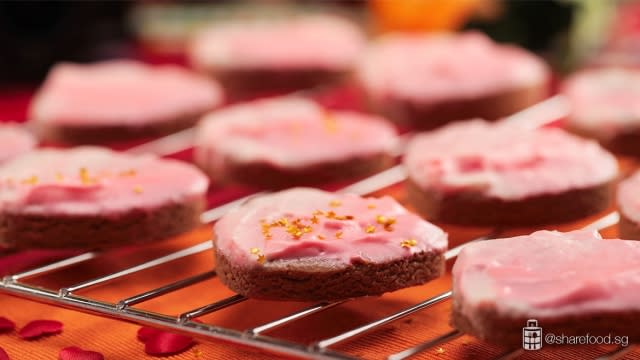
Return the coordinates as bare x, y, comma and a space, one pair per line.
124, 310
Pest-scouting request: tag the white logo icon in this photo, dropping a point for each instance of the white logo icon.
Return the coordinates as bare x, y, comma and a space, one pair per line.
532, 336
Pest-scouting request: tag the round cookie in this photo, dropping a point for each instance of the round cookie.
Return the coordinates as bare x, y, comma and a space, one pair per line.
426, 81
479, 173
605, 106
306, 244
289, 141
90, 197
278, 55
14, 140
628, 201
572, 283
119, 100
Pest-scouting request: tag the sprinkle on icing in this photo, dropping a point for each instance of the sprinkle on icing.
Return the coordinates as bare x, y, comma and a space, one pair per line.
59, 177
408, 243
259, 255
130, 172
137, 189
338, 234
370, 229
330, 123
371, 206
335, 203
32, 180
387, 222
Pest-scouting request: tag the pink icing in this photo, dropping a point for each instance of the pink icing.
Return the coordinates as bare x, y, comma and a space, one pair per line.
505, 161
289, 43
242, 229
437, 67
549, 273
289, 132
605, 101
122, 92
14, 141
628, 197
95, 181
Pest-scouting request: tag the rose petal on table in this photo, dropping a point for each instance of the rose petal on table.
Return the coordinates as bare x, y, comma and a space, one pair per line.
3, 355
6, 325
75, 353
167, 343
39, 328
146, 333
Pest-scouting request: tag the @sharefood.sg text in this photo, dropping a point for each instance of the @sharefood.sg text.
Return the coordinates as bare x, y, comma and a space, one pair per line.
533, 338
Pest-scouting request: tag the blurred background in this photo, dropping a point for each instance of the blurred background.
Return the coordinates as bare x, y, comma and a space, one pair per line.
569, 33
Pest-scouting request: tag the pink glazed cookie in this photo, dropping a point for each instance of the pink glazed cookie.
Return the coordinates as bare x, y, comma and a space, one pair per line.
90, 197
480, 173
14, 140
606, 106
119, 100
279, 55
307, 244
628, 201
290, 141
426, 81
572, 283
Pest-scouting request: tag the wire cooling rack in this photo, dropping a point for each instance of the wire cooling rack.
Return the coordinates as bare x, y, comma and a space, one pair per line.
125, 309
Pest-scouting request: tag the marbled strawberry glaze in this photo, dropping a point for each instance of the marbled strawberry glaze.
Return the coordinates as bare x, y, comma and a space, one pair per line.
437, 67
506, 161
333, 227
307, 42
14, 140
289, 132
96, 182
122, 92
549, 274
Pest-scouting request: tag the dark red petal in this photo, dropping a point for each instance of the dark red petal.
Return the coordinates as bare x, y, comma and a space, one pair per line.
38, 328
167, 343
3, 355
6, 325
146, 333
75, 353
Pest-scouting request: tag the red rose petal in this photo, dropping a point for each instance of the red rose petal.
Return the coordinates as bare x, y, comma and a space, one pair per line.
146, 333
75, 353
3, 355
38, 328
6, 325
167, 343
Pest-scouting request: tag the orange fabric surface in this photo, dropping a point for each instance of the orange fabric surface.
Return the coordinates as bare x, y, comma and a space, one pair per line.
117, 339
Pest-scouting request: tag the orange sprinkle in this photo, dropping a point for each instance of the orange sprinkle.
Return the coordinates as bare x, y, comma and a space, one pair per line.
254, 251
314, 219
321, 237
138, 189
32, 180
370, 229
381, 219
260, 257
339, 235
330, 123
440, 351
335, 203
408, 243
331, 215
318, 212
130, 172
371, 206
59, 176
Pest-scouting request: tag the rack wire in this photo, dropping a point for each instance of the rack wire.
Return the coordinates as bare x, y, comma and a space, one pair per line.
124, 309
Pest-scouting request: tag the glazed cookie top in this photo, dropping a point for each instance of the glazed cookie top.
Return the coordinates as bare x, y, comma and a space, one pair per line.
14, 140
549, 274
505, 161
289, 132
122, 92
95, 181
604, 101
308, 223
437, 67
280, 44
628, 197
